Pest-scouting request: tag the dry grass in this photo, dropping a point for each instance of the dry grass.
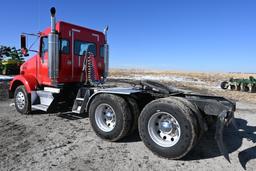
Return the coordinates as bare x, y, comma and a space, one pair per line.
206, 76
212, 79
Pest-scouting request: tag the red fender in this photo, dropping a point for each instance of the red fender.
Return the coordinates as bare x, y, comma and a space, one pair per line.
28, 81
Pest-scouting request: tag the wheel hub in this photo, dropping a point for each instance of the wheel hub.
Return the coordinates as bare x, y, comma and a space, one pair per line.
109, 115
164, 129
166, 126
105, 117
20, 100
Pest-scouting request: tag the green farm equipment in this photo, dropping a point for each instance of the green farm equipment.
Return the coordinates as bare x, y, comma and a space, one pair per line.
246, 85
10, 67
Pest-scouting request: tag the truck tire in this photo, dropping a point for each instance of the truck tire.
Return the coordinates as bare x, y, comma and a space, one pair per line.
251, 88
197, 117
244, 87
22, 100
232, 87
167, 127
135, 112
110, 117
237, 87
224, 85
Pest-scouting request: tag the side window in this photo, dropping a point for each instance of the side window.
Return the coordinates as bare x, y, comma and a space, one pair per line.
44, 46
82, 47
102, 51
64, 46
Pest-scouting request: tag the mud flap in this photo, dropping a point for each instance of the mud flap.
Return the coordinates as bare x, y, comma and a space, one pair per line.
234, 123
219, 134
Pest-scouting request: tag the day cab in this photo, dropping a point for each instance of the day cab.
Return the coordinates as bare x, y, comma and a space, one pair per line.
58, 64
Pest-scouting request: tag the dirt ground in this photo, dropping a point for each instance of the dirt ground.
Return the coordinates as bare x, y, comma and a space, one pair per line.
65, 141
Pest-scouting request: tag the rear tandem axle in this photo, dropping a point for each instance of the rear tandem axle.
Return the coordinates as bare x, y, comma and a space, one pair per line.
170, 121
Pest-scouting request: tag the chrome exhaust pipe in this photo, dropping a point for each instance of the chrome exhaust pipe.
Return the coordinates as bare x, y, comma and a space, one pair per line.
53, 20
53, 50
106, 56
105, 33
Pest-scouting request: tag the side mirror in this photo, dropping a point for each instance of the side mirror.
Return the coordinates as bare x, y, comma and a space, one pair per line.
23, 45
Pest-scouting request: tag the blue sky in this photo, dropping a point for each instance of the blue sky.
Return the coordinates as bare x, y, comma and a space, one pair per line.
190, 35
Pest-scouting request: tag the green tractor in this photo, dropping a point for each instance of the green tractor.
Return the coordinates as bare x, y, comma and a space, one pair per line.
10, 67
10, 60
246, 85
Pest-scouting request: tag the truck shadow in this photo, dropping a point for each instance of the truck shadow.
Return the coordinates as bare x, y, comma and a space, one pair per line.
208, 148
72, 116
63, 111
134, 137
247, 155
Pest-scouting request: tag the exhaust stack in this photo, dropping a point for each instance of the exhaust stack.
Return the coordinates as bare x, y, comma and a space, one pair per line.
106, 56
53, 21
53, 50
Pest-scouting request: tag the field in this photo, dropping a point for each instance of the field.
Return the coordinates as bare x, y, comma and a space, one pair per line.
64, 141
206, 83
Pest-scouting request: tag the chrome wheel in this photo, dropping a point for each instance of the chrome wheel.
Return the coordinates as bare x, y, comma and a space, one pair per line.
164, 129
105, 117
20, 100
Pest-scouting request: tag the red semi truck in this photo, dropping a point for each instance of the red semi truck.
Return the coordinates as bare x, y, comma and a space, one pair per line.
72, 66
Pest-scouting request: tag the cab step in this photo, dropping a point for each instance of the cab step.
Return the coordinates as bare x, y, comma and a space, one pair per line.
40, 107
81, 100
41, 100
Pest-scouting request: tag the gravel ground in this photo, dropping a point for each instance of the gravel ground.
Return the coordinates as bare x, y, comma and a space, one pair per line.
64, 141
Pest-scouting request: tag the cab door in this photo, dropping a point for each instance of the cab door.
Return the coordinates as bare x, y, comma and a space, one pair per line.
65, 66
42, 62
76, 60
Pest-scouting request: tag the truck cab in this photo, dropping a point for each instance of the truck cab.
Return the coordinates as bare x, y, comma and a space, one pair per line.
59, 60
